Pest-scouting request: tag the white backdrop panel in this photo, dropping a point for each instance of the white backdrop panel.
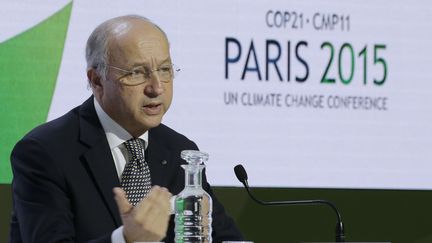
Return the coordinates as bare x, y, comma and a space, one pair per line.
281, 140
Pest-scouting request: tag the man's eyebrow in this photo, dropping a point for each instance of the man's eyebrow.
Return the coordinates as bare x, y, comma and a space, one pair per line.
168, 59
147, 64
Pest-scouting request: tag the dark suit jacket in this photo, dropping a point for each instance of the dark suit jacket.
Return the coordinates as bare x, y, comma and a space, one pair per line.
64, 174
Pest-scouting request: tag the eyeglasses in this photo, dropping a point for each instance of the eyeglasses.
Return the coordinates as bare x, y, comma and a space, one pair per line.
141, 74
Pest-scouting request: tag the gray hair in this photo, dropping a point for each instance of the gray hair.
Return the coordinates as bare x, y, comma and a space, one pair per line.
97, 51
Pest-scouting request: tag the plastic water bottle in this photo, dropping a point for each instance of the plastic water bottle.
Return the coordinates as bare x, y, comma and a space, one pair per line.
193, 205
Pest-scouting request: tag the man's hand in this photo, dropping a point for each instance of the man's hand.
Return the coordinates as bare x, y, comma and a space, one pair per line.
148, 220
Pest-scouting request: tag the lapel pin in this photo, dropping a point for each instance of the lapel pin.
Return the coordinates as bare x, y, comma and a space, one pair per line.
164, 162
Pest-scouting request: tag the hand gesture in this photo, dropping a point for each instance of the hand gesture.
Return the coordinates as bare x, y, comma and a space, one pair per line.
148, 220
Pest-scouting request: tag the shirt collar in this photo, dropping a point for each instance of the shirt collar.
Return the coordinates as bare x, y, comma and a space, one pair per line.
116, 134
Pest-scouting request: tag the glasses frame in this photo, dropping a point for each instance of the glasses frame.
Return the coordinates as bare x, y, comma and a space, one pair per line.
175, 71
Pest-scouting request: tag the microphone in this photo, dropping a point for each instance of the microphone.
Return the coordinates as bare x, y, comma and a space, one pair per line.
241, 175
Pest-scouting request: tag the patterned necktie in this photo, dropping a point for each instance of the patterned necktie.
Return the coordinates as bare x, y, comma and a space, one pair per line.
135, 179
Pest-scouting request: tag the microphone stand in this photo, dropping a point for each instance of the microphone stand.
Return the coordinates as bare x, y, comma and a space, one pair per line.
340, 230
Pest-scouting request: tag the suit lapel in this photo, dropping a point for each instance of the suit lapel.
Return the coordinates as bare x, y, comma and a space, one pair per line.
160, 161
98, 157
101, 164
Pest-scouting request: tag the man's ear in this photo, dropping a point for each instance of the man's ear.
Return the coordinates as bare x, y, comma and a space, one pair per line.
94, 79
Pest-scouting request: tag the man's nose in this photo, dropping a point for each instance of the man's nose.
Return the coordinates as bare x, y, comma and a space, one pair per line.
154, 86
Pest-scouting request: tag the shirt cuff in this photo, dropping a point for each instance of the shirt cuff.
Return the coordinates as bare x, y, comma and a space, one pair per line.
117, 235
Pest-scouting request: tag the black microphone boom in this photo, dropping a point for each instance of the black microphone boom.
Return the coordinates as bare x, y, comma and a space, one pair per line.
242, 177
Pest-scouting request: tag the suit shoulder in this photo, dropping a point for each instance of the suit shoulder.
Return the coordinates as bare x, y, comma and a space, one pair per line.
170, 137
65, 125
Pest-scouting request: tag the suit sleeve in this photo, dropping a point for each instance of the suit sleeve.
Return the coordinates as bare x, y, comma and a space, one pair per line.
42, 207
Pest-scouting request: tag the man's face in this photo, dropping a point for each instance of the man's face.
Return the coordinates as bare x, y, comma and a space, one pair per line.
140, 107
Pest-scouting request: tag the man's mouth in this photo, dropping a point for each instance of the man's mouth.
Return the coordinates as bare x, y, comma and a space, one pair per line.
153, 109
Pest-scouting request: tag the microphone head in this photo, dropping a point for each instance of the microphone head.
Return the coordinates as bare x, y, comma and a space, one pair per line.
240, 172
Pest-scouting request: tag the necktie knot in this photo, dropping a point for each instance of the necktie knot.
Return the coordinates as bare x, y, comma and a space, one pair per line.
135, 146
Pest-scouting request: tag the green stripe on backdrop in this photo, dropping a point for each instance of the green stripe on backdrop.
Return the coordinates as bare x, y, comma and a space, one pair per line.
29, 65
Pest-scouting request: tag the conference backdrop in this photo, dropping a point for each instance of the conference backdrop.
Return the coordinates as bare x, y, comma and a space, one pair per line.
313, 94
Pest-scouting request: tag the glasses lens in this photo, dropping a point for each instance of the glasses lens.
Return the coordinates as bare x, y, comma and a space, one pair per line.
141, 75
165, 73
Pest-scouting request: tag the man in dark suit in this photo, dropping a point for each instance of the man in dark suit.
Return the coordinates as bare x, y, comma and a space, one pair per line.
66, 169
